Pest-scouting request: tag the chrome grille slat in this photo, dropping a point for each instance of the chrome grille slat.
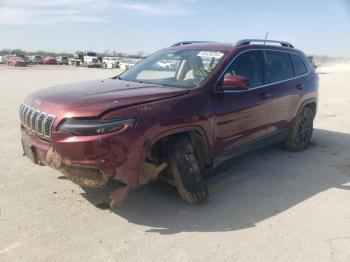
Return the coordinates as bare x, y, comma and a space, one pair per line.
33, 119
48, 125
41, 119
37, 121
22, 112
24, 115
28, 116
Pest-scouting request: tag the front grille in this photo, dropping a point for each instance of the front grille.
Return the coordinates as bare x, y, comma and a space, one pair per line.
37, 121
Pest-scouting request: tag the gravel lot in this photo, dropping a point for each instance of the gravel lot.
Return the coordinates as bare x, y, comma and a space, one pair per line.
268, 205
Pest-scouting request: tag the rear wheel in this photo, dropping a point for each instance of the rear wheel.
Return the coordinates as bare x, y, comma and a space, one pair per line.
184, 168
300, 135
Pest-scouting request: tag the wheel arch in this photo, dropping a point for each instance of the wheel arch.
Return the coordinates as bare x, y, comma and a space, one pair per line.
198, 139
310, 103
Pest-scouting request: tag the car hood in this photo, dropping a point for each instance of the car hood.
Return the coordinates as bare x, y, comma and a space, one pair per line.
91, 98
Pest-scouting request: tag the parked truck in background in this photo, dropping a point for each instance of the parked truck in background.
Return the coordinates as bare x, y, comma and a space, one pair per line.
77, 59
87, 58
91, 60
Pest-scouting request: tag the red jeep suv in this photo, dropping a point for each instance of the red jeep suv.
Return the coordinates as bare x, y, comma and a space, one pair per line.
211, 102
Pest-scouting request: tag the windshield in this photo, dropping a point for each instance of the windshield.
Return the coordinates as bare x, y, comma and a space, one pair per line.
184, 68
90, 54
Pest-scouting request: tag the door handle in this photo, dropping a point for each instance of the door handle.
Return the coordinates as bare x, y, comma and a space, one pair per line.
300, 86
264, 96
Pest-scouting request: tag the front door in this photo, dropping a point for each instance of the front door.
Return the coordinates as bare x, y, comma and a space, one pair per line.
241, 116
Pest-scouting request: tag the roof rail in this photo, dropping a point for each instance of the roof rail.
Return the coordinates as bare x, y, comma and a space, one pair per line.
190, 42
249, 41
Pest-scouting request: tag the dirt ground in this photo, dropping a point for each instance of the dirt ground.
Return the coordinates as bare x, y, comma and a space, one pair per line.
268, 205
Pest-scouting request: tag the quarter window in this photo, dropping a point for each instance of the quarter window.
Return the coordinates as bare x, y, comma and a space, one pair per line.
299, 65
249, 65
279, 65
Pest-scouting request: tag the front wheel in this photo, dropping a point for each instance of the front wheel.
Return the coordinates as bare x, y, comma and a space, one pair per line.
184, 168
299, 136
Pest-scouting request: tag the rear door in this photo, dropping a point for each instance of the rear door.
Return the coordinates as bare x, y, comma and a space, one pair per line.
241, 116
286, 88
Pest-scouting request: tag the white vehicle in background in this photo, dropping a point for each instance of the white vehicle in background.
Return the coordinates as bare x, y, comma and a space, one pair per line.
62, 60
125, 64
91, 60
1, 59
165, 65
36, 59
88, 59
110, 62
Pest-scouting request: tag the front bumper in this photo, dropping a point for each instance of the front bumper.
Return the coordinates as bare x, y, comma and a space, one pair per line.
90, 160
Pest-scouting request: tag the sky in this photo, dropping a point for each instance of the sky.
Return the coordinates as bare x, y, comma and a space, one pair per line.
318, 27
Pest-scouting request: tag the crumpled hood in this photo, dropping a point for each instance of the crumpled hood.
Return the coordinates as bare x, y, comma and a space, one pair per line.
91, 98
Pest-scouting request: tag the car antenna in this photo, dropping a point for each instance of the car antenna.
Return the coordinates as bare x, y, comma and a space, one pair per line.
267, 33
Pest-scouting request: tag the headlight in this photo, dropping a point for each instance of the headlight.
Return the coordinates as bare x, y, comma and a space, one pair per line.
88, 127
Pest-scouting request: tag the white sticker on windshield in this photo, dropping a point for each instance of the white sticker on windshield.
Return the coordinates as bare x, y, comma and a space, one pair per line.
210, 54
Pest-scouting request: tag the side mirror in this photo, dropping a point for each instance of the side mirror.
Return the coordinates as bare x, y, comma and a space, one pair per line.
236, 82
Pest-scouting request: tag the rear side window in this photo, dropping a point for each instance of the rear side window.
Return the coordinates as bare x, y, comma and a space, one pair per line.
279, 65
299, 65
250, 65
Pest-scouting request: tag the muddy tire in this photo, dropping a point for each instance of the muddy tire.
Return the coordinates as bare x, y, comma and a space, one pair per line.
184, 168
299, 136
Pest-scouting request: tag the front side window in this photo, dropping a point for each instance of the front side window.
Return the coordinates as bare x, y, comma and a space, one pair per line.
182, 68
250, 65
298, 64
279, 65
